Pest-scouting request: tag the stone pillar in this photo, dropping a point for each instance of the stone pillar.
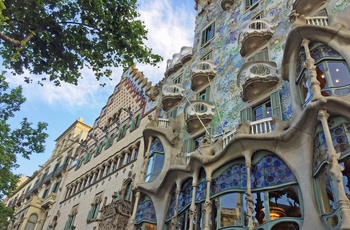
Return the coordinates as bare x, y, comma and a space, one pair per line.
313, 83
335, 170
193, 202
146, 160
249, 196
133, 216
174, 219
207, 205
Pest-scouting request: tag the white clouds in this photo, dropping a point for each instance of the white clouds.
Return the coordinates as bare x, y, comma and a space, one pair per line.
170, 26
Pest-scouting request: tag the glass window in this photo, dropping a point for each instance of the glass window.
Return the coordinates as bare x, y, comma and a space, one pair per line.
208, 33
208, 56
230, 209
156, 160
204, 95
250, 3
262, 111
31, 222
262, 55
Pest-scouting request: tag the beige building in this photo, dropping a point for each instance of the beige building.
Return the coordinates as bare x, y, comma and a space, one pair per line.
37, 194
249, 129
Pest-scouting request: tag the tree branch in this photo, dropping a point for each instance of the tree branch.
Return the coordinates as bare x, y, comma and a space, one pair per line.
9, 40
80, 24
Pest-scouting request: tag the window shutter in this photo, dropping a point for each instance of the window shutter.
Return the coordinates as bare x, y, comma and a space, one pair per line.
246, 114
68, 223
207, 94
189, 145
138, 120
97, 210
132, 125
91, 212
276, 104
203, 37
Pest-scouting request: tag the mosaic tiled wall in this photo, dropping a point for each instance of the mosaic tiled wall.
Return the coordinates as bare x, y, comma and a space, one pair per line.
228, 60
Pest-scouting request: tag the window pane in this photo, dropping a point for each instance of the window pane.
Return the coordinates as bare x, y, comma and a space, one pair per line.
230, 212
321, 77
258, 113
346, 176
284, 203
339, 73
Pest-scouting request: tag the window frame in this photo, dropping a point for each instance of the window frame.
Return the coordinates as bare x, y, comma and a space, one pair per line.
205, 34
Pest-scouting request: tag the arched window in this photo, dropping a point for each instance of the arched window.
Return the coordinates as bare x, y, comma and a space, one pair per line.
145, 214
156, 160
331, 69
31, 222
325, 189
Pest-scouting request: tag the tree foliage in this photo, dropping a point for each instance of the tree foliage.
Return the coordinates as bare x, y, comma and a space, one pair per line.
59, 38
22, 141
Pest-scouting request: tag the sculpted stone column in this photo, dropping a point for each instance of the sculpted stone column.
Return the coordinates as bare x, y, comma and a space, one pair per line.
174, 219
314, 84
133, 216
193, 202
207, 205
335, 170
249, 196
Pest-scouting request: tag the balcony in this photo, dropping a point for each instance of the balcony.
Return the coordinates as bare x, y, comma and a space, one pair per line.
202, 73
254, 34
226, 4
256, 78
48, 201
305, 7
161, 126
178, 60
310, 21
172, 94
198, 114
262, 126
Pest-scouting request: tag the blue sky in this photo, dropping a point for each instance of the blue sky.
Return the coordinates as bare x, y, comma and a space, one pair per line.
170, 25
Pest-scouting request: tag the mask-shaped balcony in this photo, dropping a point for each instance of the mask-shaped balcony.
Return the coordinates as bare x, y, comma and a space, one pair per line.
178, 60
254, 34
198, 114
226, 4
305, 7
202, 73
172, 94
301, 20
257, 78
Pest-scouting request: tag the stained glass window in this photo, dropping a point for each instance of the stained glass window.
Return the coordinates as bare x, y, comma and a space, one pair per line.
145, 211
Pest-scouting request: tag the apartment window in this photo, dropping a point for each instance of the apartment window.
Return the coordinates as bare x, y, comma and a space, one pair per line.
172, 113
250, 3
208, 33
56, 187
122, 133
203, 95
262, 55
31, 222
332, 72
71, 218
136, 152
108, 168
263, 110
208, 56
46, 192
177, 80
95, 207
156, 160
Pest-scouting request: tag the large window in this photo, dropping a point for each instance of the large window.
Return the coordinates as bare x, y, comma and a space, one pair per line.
332, 73
326, 188
156, 160
208, 33
145, 215
31, 222
262, 111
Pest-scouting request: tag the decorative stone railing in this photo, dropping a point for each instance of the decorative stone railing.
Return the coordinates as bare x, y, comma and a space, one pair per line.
172, 90
262, 126
163, 123
317, 21
178, 60
197, 114
256, 78
227, 137
201, 73
256, 25
199, 108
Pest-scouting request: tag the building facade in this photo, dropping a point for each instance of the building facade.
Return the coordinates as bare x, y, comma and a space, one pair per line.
35, 196
249, 129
